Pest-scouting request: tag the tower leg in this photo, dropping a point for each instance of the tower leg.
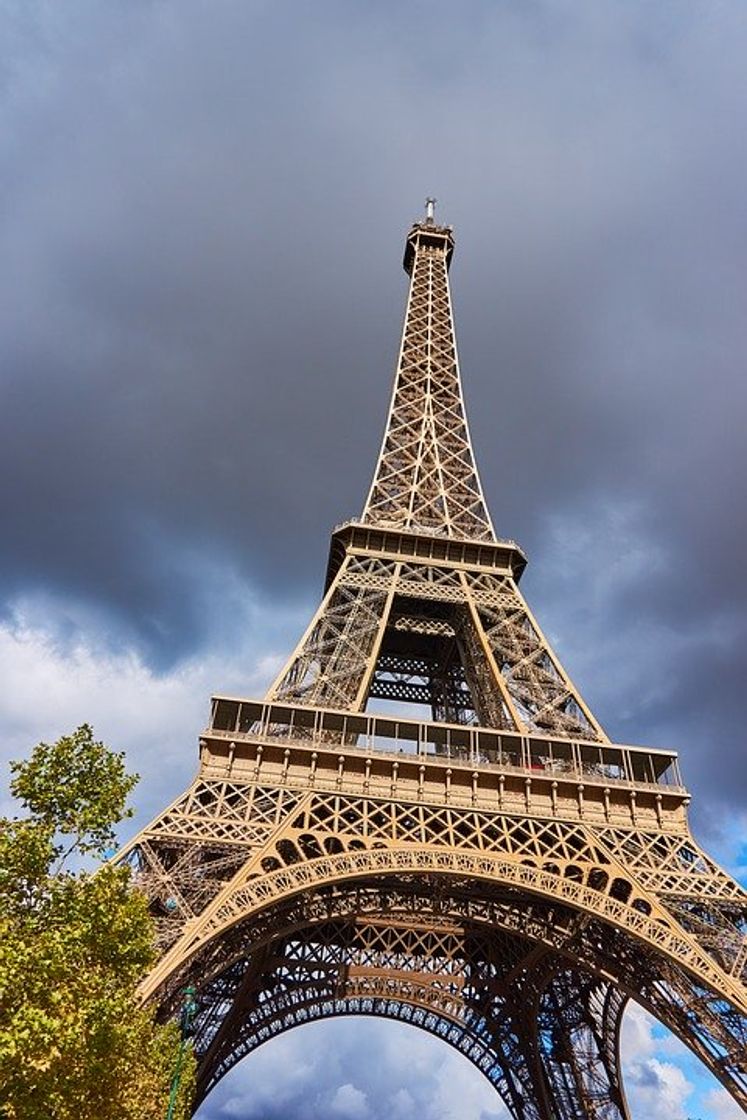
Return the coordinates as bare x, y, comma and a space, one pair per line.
578, 1034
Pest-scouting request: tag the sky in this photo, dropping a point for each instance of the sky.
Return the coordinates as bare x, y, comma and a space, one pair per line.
202, 221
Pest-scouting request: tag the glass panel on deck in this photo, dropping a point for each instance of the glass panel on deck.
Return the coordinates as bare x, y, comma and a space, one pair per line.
561, 757
225, 714
591, 760
613, 764
511, 751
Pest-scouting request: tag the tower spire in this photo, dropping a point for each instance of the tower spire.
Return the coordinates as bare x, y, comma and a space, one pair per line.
426, 478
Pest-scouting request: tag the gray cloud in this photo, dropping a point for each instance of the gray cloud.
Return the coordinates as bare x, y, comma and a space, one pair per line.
202, 220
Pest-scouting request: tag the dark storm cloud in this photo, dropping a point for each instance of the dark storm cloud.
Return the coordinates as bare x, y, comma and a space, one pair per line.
203, 209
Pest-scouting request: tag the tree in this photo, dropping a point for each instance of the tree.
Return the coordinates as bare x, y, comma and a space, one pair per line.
75, 1043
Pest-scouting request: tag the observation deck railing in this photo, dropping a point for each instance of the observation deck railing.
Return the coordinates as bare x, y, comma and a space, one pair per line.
454, 744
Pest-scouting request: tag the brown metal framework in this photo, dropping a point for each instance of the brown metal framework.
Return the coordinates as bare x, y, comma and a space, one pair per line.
497, 872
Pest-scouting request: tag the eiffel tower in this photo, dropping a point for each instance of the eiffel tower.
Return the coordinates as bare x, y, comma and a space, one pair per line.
472, 855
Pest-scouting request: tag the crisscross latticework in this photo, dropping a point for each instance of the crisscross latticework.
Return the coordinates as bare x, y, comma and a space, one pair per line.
426, 478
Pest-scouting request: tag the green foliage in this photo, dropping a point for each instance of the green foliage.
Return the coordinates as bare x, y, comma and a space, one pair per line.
75, 1044
76, 787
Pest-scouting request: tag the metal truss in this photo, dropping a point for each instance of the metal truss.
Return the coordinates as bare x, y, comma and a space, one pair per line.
426, 478
462, 642
497, 873
461, 985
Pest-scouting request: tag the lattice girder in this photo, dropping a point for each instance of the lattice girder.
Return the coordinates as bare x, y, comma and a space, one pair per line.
510, 676
426, 476
582, 943
277, 826
442, 970
578, 1022
640, 916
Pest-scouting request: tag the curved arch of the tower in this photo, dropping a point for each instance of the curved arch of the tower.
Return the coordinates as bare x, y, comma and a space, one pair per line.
497, 873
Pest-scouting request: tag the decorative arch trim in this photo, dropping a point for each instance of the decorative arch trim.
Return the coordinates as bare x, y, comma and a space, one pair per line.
656, 929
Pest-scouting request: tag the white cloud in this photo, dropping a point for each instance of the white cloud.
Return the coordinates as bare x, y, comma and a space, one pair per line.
402, 1105
662, 1077
58, 676
653, 1087
349, 1103
721, 1106
354, 1068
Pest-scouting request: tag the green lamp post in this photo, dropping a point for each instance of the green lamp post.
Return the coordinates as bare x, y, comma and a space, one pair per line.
189, 1008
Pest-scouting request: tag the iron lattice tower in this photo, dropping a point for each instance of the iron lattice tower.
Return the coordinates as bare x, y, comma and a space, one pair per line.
498, 873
